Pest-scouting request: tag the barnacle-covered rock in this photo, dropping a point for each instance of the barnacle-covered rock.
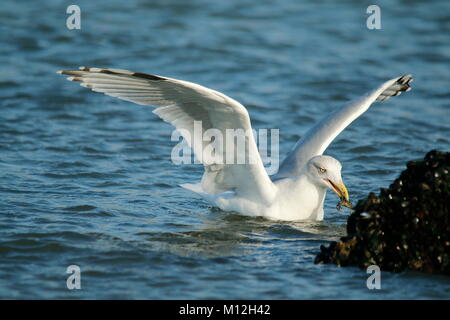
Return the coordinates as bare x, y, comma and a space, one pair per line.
406, 226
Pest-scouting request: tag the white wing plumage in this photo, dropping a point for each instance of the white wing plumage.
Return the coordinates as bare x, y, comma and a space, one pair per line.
181, 103
319, 137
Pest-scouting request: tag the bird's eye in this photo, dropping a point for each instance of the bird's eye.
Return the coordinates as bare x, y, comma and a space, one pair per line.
322, 170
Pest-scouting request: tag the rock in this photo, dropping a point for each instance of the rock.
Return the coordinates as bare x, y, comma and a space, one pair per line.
406, 226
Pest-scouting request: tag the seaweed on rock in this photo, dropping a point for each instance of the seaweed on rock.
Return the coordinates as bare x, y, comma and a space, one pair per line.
406, 226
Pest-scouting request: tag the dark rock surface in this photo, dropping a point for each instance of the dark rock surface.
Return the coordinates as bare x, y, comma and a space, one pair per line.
406, 226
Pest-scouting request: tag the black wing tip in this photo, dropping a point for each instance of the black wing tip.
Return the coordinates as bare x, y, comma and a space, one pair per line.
148, 76
405, 79
66, 72
401, 85
122, 72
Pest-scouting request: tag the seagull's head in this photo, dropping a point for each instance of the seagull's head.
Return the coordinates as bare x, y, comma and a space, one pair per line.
325, 171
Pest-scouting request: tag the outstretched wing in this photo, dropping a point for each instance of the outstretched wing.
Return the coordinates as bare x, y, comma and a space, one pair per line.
319, 137
182, 104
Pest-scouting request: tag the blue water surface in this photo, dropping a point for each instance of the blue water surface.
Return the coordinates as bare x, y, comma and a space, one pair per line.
87, 180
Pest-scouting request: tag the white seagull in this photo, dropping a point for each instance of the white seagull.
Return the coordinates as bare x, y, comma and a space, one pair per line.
296, 192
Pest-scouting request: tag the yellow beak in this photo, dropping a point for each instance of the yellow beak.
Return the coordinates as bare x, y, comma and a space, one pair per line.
344, 191
340, 189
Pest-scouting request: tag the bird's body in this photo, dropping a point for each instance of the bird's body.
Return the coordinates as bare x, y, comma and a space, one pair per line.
294, 197
296, 192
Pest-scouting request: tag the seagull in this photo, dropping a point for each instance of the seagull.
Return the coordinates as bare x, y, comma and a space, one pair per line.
296, 192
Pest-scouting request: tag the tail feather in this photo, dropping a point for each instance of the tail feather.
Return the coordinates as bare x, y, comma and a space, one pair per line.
197, 187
